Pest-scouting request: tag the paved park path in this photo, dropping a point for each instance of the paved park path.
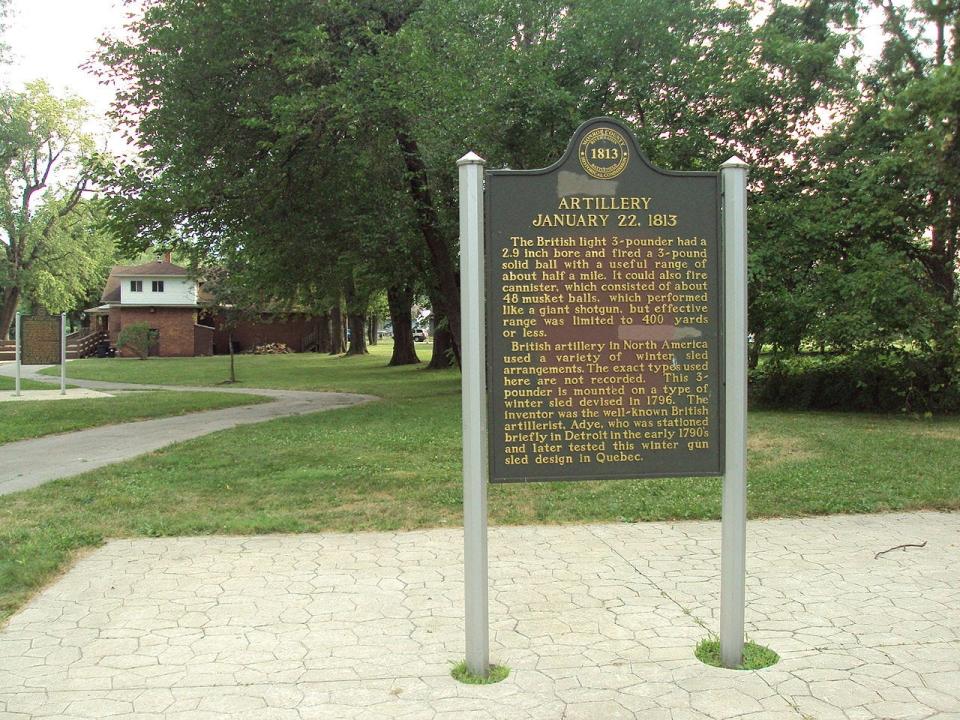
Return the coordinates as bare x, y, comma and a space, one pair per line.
28, 463
595, 622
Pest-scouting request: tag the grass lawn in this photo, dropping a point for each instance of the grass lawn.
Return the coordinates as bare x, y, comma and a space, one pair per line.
9, 383
298, 371
395, 464
22, 420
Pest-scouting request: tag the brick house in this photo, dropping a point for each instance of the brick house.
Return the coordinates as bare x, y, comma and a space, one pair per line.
160, 294
166, 298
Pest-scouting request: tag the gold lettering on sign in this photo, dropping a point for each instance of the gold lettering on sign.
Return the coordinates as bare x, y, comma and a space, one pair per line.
605, 361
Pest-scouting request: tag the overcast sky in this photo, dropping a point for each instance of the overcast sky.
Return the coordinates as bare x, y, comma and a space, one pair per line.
50, 39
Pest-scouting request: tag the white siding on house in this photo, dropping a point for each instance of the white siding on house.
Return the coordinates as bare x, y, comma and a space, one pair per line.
176, 291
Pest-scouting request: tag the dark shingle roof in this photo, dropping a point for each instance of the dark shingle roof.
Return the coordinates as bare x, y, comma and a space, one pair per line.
111, 291
160, 267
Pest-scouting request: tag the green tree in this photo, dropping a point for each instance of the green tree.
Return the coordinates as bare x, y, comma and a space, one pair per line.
871, 257
916, 90
53, 249
137, 337
70, 274
233, 301
700, 84
273, 174
254, 116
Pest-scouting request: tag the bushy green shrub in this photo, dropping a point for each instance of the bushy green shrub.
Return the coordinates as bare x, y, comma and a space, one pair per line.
888, 381
138, 337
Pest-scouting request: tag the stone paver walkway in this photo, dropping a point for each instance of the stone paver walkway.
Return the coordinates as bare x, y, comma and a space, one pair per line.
596, 622
28, 463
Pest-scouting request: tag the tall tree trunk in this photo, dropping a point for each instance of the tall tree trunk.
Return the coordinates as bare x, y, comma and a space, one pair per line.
358, 333
443, 356
323, 333
448, 296
400, 300
442, 350
373, 330
337, 345
356, 317
11, 298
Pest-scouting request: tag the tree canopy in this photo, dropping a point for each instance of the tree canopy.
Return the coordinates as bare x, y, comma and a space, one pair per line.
871, 256
316, 141
53, 249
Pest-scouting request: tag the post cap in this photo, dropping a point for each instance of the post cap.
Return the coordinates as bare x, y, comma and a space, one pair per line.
735, 162
471, 158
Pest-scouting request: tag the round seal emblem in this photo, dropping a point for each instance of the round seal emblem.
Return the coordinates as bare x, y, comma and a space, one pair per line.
604, 153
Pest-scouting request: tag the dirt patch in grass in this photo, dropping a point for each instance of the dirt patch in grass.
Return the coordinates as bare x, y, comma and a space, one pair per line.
512, 505
767, 450
935, 433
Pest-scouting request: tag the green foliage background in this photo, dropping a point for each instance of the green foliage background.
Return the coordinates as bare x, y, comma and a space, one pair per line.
311, 146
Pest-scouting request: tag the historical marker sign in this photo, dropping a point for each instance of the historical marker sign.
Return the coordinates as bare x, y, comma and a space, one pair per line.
41, 337
603, 291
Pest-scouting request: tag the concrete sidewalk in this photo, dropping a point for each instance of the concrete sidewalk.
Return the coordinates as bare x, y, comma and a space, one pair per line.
28, 463
596, 622
52, 394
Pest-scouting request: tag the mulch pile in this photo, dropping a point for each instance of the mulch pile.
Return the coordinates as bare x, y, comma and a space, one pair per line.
277, 348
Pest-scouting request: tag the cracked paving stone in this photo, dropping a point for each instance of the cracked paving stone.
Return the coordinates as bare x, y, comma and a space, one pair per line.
595, 621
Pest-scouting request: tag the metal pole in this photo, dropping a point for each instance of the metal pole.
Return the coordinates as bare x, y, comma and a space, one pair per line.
733, 551
474, 393
63, 353
16, 343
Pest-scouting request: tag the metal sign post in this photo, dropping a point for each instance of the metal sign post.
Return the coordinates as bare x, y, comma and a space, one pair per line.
733, 550
474, 393
63, 353
17, 346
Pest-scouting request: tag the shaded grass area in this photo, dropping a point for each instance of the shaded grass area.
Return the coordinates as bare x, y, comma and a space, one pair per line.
395, 465
36, 418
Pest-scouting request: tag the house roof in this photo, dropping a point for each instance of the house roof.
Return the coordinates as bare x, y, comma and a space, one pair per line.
150, 269
111, 291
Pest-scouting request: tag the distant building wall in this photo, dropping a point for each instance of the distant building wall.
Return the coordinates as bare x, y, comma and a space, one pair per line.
114, 324
290, 330
202, 340
175, 325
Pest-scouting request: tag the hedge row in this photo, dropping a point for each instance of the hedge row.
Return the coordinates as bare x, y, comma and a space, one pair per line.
878, 382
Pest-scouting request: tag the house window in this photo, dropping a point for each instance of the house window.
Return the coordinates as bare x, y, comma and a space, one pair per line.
136, 286
158, 285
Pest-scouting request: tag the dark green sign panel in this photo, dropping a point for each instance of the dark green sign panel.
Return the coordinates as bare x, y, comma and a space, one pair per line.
603, 310
40, 340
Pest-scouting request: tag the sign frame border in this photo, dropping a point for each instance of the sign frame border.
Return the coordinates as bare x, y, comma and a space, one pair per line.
24, 336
